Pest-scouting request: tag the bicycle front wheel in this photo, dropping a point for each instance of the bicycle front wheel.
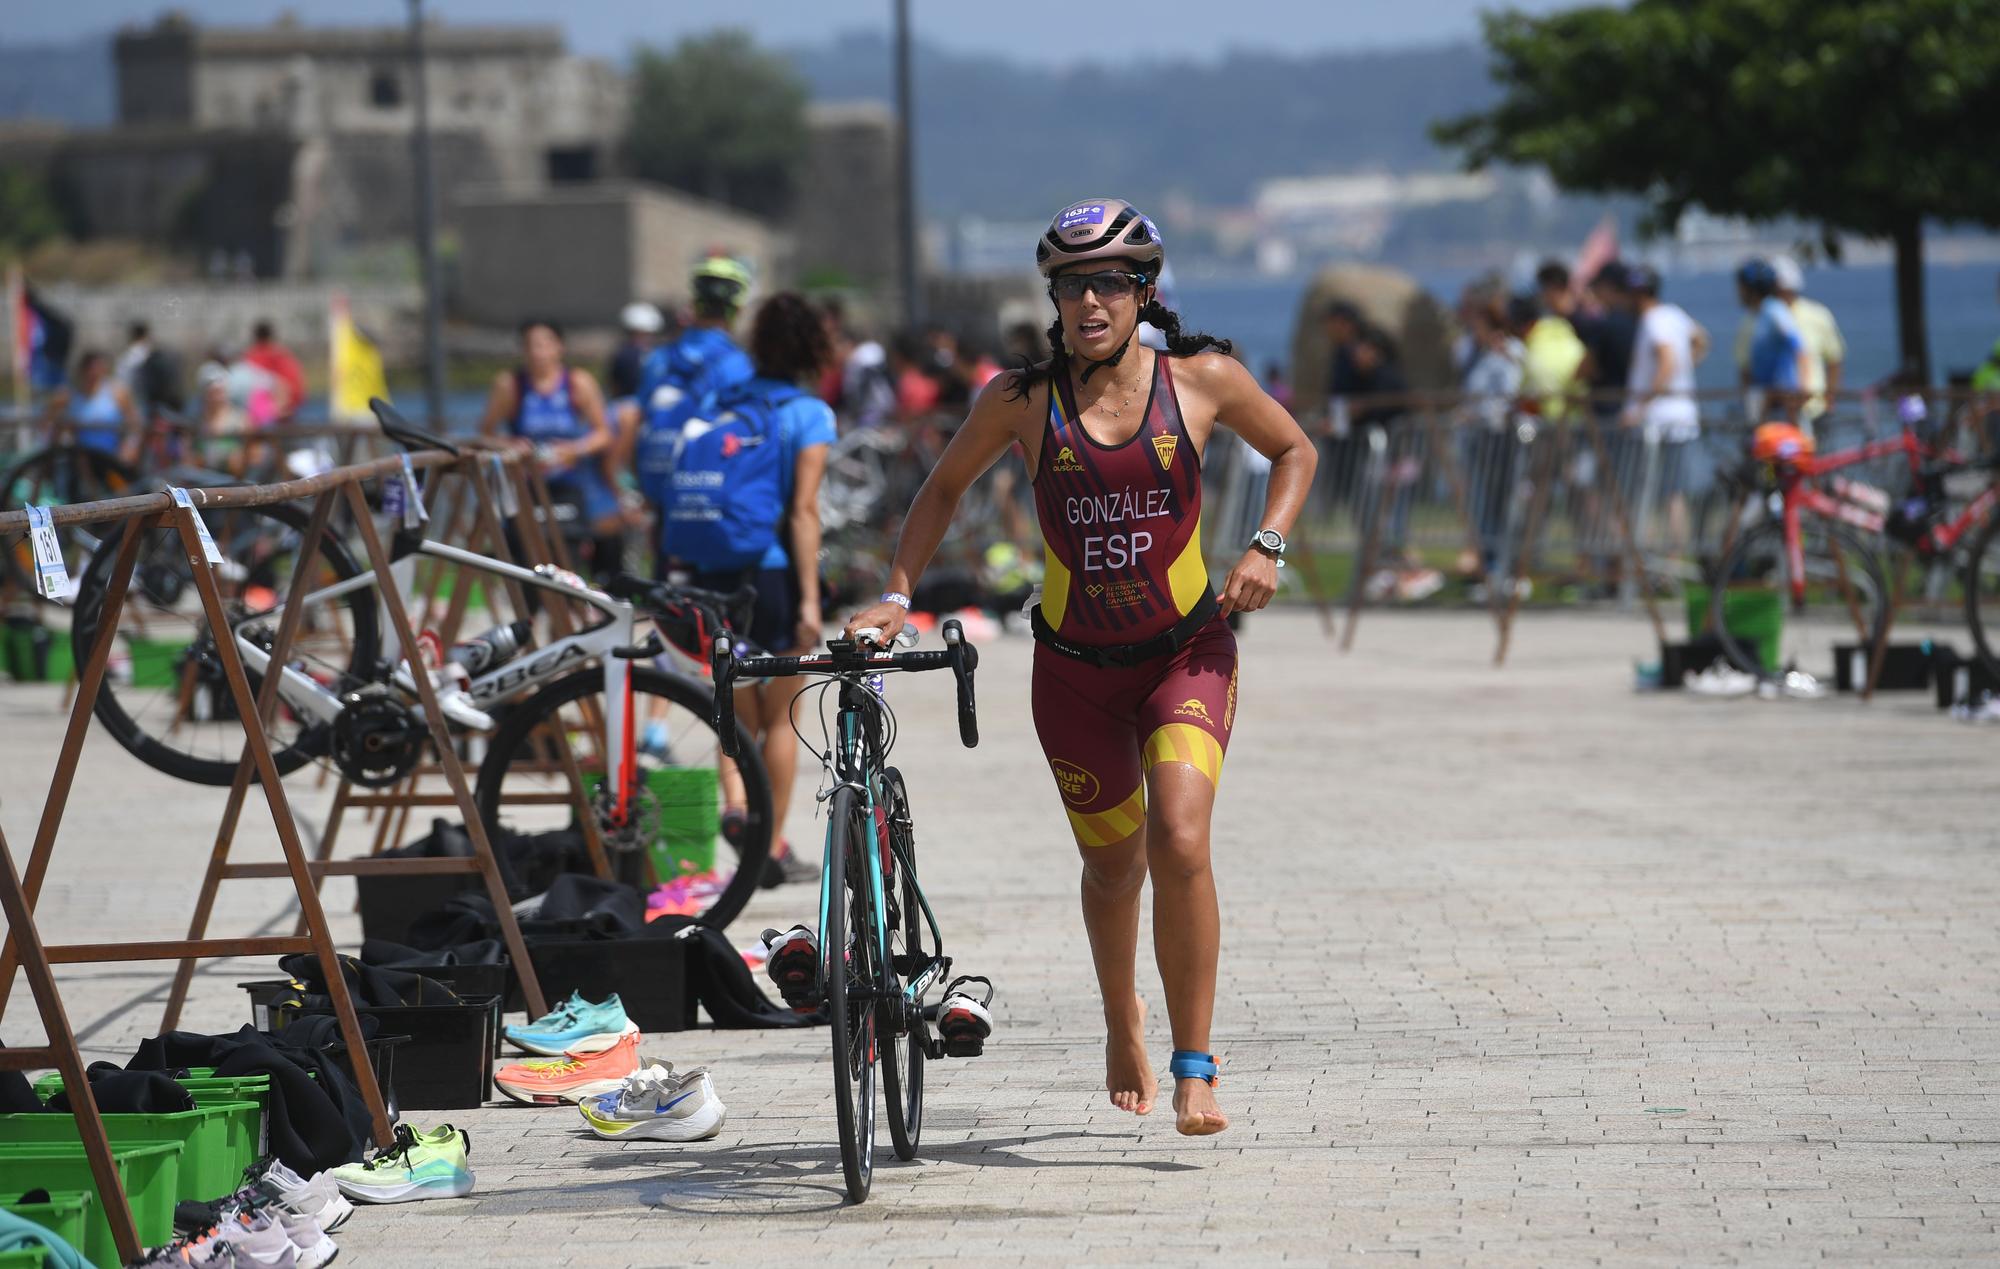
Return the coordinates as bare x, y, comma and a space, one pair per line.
1774, 612
910, 950
846, 946
690, 796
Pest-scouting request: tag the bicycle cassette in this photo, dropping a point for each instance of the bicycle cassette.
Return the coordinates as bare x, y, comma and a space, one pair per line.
377, 739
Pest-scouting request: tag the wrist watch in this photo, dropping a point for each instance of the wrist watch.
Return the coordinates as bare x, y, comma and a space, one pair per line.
1270, 542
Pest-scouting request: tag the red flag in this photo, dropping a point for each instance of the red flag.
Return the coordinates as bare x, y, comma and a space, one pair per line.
1598, 250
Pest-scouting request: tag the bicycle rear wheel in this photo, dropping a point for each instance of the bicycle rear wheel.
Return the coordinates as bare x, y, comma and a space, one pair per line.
164, 696
846, 943
1982, 594
909, 950
686, 786
1765, 630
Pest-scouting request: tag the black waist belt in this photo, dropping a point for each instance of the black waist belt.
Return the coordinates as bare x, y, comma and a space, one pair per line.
1126, 654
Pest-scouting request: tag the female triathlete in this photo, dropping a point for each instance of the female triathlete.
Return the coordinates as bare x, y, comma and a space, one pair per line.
1135, 677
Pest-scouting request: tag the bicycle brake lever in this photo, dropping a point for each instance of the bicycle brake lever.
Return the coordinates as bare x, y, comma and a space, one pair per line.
646, 651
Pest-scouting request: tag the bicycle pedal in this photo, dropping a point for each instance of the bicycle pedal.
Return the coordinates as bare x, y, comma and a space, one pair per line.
964, 1048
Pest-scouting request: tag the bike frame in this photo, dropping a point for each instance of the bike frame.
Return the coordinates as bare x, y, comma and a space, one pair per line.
1799, 496
510, 681
856, 765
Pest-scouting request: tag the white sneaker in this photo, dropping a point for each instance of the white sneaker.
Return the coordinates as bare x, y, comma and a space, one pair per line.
1986, 711
313, 1247
263, 1243
318, 1198
1719, 681
656, 1104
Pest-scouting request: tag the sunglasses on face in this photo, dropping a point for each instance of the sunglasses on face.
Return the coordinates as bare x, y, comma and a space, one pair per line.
1111, 284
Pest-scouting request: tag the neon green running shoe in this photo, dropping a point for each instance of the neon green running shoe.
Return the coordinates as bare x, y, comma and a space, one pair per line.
434, 1164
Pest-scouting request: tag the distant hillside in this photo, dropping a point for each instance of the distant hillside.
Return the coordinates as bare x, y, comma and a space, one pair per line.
1006, 141
62, 83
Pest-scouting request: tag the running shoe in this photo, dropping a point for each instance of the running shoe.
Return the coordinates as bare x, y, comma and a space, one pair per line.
430, 1165
239, 1242
1719, 681
318, 1198
787, 868
657, 1104
571, 1077
575, 1026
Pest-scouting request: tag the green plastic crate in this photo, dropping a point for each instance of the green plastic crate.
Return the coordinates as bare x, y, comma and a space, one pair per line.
22, 1258
245, 1128
66, 1215
220, 1140
690, 817
1755, 615
149, 1171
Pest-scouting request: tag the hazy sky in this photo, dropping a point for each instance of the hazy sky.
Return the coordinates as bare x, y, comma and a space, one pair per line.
1044, 31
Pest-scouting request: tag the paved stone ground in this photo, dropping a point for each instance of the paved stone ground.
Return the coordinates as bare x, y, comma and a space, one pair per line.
1519, 968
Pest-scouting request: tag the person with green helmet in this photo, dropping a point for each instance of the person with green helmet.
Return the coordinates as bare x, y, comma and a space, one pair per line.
705, 359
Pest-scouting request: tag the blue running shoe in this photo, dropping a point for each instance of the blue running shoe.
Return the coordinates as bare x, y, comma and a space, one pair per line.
574, 1026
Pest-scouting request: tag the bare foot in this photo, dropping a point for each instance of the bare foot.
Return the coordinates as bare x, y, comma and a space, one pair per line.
1128, 1075
1195, 1111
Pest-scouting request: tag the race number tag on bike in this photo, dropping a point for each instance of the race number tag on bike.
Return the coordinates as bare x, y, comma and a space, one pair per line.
208, 548
51, 575
413, 499
503, 488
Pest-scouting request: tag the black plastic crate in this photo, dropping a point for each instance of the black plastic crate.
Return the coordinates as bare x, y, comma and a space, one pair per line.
1959, 680
390, 904
1906, 667
467, 982
381, 1056
449, 1049
1677, 659
649, 975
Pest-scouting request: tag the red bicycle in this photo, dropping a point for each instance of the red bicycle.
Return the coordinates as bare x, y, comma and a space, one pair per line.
1812, 551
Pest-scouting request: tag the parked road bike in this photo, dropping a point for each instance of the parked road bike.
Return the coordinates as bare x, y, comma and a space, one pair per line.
881, 951
1812, 546
346, 694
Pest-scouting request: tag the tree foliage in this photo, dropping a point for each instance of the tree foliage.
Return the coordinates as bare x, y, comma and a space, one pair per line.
1868, 116
719, 118
29, 215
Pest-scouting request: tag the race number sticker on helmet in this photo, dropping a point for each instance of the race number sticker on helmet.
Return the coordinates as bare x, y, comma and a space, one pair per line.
1080, 214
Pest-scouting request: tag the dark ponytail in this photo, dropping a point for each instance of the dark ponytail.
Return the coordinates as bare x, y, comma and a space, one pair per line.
1164, 319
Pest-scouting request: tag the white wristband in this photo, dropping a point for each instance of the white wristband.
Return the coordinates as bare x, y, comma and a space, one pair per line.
897, 598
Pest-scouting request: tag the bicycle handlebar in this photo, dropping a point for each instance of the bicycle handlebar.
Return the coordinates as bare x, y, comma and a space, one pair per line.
845, 659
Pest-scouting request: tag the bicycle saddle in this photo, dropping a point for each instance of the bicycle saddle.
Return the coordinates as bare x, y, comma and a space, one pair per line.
403, 432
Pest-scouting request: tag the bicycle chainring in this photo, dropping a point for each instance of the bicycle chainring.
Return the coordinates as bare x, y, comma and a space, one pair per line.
377, 740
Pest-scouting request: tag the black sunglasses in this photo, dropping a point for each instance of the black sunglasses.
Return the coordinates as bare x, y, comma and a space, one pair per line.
1111, 284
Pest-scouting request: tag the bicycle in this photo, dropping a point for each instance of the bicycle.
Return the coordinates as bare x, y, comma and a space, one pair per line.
349, 698
1810, 547
877, 958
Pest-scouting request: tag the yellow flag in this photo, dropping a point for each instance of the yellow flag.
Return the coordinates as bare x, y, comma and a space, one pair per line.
357, 369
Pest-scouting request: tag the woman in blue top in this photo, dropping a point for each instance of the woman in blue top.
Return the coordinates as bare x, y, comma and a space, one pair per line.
558, 413
789, 347
101, 408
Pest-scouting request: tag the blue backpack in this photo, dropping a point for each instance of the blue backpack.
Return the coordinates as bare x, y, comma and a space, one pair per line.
726, 495
666, 413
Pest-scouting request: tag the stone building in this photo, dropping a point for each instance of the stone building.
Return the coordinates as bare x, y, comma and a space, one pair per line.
848, 223
287, 148
576, 254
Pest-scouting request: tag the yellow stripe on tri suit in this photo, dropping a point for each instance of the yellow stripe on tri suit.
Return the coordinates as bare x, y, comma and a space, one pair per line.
1055, 587
1107, 828
1187, 576
1185, 742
